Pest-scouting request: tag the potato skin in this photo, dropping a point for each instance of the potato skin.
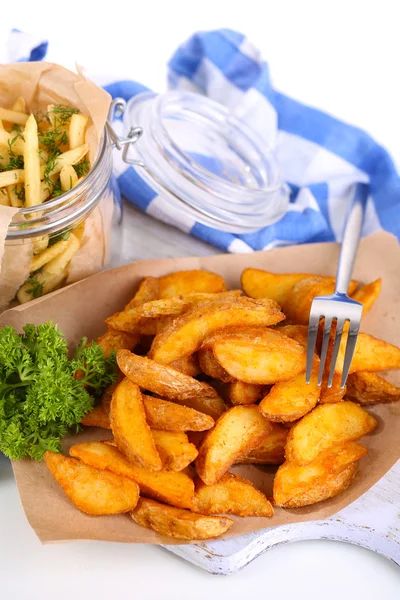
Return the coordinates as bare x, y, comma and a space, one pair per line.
178, 523
270, 451
232, 495
93, 491
182, 282
370, 388
97, 417
165, 415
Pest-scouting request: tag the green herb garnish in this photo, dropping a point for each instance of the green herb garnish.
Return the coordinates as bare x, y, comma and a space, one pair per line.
82, 168
61, 237
40, 399
36, 289
62, 113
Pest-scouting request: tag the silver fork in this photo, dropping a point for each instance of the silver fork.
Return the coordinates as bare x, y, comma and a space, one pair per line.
339, 308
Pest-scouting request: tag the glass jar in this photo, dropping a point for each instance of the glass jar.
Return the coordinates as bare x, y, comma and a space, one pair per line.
85, 215
206, 163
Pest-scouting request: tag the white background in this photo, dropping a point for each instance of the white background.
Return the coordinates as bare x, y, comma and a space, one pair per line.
341, 56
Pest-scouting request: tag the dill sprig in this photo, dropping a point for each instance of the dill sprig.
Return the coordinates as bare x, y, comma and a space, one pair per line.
36, 289
82, 168
60, 237
62, 113
16, 160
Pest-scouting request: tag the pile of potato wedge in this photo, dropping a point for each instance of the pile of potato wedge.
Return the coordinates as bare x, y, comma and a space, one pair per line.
210, 378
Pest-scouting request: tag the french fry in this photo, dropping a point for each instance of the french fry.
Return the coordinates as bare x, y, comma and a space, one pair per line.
236, 432
68, 178
39, 285
129, 426
162, 379
328, 425
93, 491
77, 128
245, 393
167, 486
40, 243
183, 282
164, 415
39, 260
70, 157
187, 332
231, 495
368, 294
13, 116
178, 523
97, 417
13, 141
117, 340
15, 192
19, 105
260, 356
31, 163
271, 450
290, 400
327, 476
370, 388
4, 199
174, 449
211, 367
59, 263
12, 177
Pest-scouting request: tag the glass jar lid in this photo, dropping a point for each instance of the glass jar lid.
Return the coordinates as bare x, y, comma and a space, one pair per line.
206, 163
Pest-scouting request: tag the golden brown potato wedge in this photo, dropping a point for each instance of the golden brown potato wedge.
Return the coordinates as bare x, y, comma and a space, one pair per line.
149, 289
178, 523
370, 388
290, 400
334, 393
92, 490
296, 485
259, 355
174, 449
211, 367
299, 333
168, 416
97, 417
129, 426
183, 282
187, 332
328, 425
238, 431
370, 354
245, 393
263, 284
232, 495
167, 486
271, 451
117, 340
169, 383
189, 365
368, 294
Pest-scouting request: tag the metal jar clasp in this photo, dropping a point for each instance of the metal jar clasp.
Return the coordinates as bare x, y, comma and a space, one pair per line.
117, 108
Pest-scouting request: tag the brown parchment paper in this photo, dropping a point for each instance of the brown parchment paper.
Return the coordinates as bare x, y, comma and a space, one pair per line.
41, 84
80, 310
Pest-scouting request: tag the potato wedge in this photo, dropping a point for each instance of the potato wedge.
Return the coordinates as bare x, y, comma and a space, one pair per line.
232, 495
189, 365
370, 388
129, 426
368, 294
174, 449
371, 354
187, 332
328, 425
182, 282
211, 367
271, 451
299, 333
168, 416
97, 417
93, 491
148, 290
296, 485
245, 393
167, 486
178, 523
238, 431
259, 355
117, 340
290, 400
334, 393
162, 379
262, 284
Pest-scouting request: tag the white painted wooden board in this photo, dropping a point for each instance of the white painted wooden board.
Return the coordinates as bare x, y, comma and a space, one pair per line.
373, 521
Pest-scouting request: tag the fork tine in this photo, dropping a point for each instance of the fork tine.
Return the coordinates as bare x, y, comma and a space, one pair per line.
324, 349
350, 347
312, 339
338, 338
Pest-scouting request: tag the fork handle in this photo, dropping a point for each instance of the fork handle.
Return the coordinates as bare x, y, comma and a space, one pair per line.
351, 238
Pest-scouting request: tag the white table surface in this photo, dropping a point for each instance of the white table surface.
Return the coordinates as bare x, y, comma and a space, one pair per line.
341, 56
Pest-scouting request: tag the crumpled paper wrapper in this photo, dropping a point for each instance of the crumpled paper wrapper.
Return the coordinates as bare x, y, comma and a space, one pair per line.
41, 84
48, 510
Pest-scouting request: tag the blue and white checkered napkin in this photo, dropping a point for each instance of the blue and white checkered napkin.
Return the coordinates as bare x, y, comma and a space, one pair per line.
323, 160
